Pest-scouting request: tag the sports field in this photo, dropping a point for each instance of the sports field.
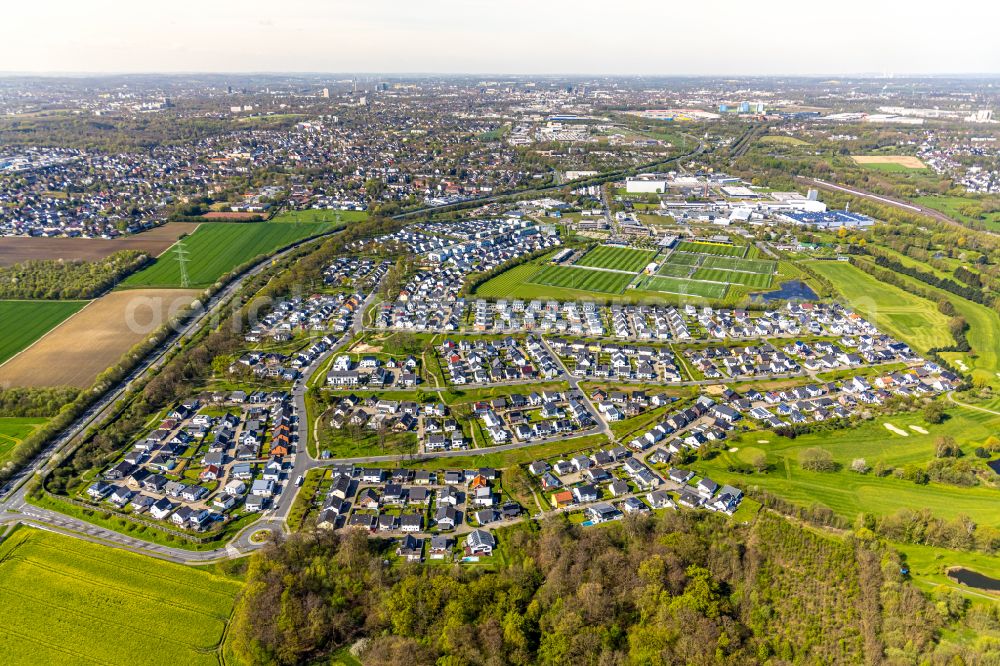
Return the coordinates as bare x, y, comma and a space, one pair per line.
755, 280
27, 321
735, 264
684, 287
676, 270
215, 249
910, 318
13, 430
617, 258
849, 493
684, 258
605, 282
712, 248
75, 602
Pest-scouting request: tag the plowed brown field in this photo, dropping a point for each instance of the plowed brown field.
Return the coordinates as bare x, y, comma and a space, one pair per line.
94, 339
15, 249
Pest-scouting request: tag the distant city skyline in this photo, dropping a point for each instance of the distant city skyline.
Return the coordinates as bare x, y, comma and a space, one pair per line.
717, 37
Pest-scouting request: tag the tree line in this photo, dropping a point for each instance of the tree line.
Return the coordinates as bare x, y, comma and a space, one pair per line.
680, 587
54, 279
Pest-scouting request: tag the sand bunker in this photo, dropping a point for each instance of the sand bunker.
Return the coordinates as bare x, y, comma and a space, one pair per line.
897, 430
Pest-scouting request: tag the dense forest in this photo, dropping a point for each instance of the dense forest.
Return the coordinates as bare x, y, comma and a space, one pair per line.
678, 588
52, 279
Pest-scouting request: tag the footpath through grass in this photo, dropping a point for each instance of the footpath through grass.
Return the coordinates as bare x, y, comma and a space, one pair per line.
213, 250
26, 321
71, 601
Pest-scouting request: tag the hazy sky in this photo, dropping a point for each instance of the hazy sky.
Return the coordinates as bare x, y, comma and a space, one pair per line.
667, 37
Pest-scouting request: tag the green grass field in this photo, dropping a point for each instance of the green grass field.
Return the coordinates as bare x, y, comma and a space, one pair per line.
984, 360
215, 249
13, 430
745, 265
617, 258
781, 139
584, 279
755, 280
77, 602
910, 318
684, 259
26, 321
848, 493
318, 215
675, 270
712, 248
672, 285
955, 207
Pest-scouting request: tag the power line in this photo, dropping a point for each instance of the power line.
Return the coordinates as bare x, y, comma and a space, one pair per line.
181, 253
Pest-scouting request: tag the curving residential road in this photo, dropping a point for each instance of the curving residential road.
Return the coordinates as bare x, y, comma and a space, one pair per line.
13, 502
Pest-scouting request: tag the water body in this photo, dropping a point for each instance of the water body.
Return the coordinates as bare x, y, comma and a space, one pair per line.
975, 579
793, 290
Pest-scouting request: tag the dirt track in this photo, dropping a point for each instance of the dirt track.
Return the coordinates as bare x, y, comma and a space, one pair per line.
15, 249
94, 339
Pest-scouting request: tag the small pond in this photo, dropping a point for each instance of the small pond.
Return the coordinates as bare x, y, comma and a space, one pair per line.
793, 290
974, 579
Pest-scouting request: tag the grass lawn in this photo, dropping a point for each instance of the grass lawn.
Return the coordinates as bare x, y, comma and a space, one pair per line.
79, 602
848, 493
320, 215
952, 207
910, 318
13, 430
215, 249
983, 362
928, 564
779, 139
617, 258
26, 321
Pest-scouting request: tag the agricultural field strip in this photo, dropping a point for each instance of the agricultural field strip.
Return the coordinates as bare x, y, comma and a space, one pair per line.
44, 644
214, 250
79, 629
22, 594
35, 319
89, 593
166, 601
119, 567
